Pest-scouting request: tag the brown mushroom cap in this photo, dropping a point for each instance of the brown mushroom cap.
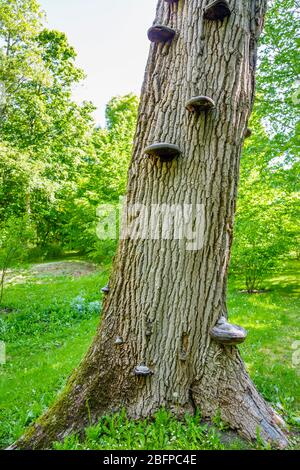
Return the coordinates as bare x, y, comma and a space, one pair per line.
228, 334
200, 103
160, 33
217, 10
166, 152
142, 370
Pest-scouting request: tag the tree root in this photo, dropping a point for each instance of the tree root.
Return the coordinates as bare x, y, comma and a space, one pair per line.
225, 389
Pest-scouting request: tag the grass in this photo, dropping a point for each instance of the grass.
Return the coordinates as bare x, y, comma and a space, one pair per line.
47, 334
54, 319
272, 320
163, 432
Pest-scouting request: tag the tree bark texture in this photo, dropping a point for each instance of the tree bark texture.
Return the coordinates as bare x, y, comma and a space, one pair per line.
164, 299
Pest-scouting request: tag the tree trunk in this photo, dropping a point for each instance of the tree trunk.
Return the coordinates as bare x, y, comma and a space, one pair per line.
165, 296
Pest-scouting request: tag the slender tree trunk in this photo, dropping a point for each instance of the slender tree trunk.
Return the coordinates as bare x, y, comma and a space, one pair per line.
2, 279
28, 203
164, 298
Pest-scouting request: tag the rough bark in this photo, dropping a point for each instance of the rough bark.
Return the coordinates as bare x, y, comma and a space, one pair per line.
164, 299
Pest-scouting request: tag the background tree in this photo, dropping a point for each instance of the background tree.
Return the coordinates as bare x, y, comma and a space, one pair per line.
102, 179
48, 134
266, 229
15, 237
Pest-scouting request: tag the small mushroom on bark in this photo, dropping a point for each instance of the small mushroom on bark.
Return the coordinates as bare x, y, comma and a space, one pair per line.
149, 327
228, 334
200, 103
217, 10
119, 340
105, 289
142, 370
160, 33
164, 151
183, 356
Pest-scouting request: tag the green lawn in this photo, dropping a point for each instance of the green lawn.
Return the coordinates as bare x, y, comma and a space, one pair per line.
51, 331
45, 340
272, 319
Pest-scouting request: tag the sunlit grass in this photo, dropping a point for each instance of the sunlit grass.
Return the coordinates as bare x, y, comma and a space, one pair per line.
51, 340
117, 432
272, 320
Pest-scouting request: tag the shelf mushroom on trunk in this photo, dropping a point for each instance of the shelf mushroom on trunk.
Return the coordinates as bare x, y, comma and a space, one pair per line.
160, 33
105, 289
119, 340
217, 10
142, 371
200, 103
164, 151
228, 334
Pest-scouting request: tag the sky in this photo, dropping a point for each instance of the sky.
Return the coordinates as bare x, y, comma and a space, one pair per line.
110, 37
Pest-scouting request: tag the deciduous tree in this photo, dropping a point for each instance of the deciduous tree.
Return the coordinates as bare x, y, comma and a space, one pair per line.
155, 345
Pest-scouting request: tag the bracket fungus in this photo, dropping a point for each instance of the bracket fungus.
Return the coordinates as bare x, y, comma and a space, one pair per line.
149, 326
165, 152
142, 371
159, 33
183, 356
200, 103
217, 10
119, 340
105, 290
228, 334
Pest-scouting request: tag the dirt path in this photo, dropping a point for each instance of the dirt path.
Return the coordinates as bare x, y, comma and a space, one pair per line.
74, 268
63, 268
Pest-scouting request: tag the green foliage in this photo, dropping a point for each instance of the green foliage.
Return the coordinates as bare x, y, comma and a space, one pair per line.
266, 229
44, 135
271, 319
219, 423
113, 147
278, 74
117, 432
43, 303
102, 180
54, 164
52, 321
15, 236
32, 322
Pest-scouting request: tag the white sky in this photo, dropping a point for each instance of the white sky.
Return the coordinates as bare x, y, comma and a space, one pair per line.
110, 37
